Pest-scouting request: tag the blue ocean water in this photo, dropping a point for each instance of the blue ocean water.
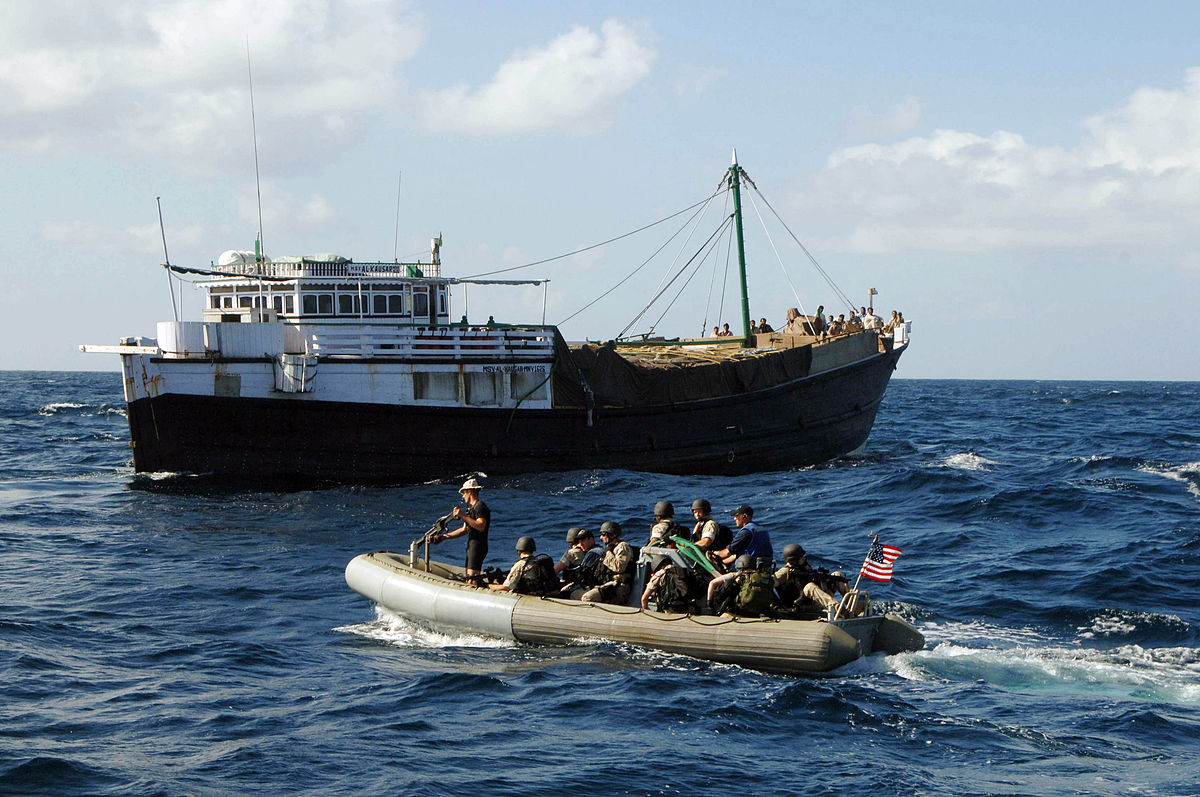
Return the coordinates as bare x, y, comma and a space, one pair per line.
175, 636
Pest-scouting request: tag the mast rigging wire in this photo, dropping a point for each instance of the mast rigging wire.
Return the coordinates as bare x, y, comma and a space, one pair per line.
596, 246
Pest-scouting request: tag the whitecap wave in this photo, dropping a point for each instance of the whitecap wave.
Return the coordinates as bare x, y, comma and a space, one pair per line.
1187, 474
59, 406
967, 461
404, 632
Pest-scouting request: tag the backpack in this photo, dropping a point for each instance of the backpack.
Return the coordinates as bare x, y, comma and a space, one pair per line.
755, 595
539, 577
581, 574
723, 538
675, 593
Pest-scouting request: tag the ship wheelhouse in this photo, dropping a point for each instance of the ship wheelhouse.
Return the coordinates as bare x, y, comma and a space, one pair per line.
326, 288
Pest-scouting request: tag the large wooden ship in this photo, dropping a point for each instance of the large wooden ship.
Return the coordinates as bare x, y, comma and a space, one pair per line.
327, 369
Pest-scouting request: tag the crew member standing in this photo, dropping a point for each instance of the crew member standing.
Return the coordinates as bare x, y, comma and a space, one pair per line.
477, 519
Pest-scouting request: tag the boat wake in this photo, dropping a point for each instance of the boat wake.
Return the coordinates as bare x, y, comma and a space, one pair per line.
1028, 661
404, 632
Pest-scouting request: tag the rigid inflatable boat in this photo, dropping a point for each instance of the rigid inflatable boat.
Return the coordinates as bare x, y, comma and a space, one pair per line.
435, 592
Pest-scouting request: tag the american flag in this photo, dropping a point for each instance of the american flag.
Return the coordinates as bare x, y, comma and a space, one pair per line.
879, 561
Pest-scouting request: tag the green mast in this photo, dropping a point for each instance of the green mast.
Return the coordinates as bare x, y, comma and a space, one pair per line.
735, 181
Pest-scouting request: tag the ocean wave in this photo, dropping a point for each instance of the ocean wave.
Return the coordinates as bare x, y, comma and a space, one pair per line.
403, 632
80, 409
1187, 474
967, 461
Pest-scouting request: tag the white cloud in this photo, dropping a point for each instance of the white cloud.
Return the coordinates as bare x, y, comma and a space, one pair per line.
903, 117
171, 77
93, 237
571, 83
1133, 179
284, 215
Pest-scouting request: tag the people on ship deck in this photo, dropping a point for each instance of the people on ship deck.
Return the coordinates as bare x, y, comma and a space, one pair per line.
477, 521
764, 327
872, 321
748, 539
838, 326
716, 333
725, 333
618, 564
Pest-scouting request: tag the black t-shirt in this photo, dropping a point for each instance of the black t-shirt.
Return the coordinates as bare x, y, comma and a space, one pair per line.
479, 511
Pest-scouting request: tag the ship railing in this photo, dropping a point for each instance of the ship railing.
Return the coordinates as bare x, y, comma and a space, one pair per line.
320, 268
435, 342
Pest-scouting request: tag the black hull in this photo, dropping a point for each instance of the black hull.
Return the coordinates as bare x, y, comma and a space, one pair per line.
802, 422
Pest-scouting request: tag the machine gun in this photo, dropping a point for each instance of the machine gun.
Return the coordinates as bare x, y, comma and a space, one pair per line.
435, 535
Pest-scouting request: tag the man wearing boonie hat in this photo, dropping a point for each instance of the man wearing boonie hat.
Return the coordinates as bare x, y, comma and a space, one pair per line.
477, 520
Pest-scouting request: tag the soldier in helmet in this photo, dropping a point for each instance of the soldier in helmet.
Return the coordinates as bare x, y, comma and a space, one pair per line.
801, 587
748, 591
580, 576
706, 530
571, 556
477, 520
531, 574
618, 564
664, 523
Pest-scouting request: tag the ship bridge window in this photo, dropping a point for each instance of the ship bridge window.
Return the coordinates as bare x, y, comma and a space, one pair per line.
387, 304
227, 302
317, 303
348, 304
214, 302
420, 304
244, 301
441, 301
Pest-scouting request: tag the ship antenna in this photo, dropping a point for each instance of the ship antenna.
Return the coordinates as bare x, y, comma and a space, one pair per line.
167, 260
260, 248
396, 239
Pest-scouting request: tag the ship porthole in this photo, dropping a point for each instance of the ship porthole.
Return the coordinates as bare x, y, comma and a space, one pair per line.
729, 457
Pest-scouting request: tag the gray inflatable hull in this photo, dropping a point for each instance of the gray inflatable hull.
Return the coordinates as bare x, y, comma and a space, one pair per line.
776, 646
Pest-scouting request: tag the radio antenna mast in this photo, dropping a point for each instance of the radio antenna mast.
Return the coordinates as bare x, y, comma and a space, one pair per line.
259, 247
396, 240
167, 262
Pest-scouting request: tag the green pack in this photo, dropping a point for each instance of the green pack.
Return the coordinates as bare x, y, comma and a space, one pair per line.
756, 593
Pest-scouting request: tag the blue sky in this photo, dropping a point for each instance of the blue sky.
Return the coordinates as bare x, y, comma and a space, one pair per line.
1022, 180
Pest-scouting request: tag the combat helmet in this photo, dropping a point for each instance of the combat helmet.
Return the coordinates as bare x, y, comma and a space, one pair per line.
526, 545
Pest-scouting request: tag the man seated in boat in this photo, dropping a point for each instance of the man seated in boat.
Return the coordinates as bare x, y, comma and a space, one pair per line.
566, 559
531, 574
748, 539
583, 559
617, 568
708, 534
804, 591
664, 524
671, 587
749, 591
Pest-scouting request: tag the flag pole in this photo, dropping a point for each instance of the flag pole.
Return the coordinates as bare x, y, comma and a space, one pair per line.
838, 613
